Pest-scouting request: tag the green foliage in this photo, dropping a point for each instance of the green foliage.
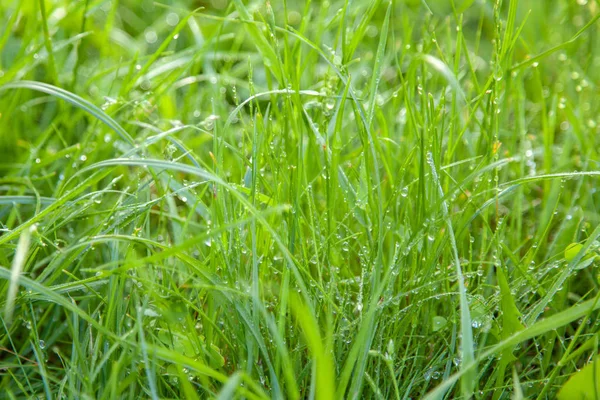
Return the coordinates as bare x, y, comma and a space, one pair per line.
584, 384
309, 199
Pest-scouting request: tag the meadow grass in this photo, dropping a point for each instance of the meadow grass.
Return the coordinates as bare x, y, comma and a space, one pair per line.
299, 199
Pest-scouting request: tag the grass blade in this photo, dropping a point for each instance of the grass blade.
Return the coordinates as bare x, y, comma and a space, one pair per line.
468, 366
74, 100
15, 273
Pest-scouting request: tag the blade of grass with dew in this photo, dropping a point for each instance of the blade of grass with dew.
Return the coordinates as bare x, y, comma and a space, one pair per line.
468, 364
48, 42
511, 324
270, 56
374, 85
75, 100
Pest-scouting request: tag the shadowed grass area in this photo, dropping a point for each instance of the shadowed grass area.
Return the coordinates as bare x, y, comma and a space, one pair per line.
299, 199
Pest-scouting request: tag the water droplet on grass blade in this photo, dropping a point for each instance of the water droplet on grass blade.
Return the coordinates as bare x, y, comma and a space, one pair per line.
172, 19
150, 36
438, 323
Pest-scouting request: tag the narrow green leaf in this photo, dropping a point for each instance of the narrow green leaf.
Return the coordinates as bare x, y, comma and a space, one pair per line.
447, 73
584, 384
324, 372
74, 100
518, 390
374, 86
469, 364
510, 313
271, 59
15, 273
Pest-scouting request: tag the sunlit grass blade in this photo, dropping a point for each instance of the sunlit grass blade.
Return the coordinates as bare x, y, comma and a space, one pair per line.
75, 100
15, 273
324, 374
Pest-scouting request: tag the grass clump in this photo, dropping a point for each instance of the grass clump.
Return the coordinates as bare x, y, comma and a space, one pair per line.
366, 199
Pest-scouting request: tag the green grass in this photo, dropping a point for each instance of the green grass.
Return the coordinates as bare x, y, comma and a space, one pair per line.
299, 199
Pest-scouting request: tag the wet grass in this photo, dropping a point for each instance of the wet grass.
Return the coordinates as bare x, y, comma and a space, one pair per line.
338, 199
